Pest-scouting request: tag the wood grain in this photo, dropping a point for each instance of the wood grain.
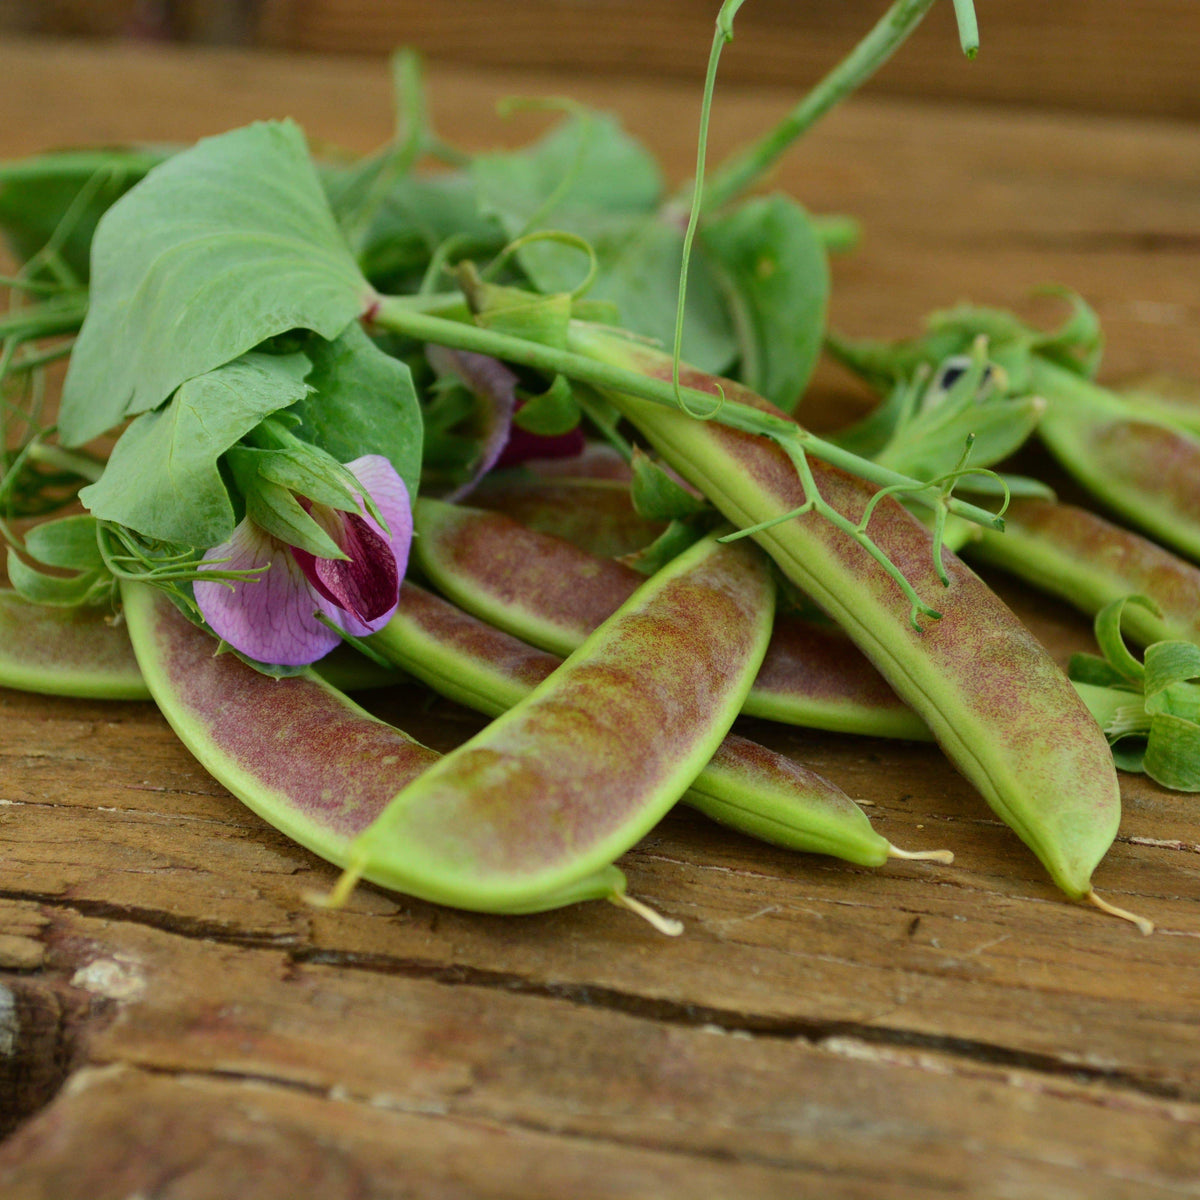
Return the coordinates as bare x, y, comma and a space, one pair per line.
176, 1020
1083, 54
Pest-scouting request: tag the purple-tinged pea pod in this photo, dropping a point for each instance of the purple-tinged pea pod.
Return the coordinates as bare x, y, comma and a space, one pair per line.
1090, 562
998, 705
544, 798
304, 757
745, 786
595, 514
83, 652
550, 592
1146, 470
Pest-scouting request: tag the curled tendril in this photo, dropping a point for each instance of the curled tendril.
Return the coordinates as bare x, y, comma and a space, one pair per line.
586, 129
562, 238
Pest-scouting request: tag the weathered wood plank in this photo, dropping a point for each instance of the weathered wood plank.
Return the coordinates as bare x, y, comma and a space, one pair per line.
281, 1045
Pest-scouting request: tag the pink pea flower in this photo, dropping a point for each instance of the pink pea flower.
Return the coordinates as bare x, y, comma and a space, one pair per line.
274, 616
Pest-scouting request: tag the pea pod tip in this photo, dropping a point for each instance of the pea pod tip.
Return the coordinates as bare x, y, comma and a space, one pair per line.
1144, 925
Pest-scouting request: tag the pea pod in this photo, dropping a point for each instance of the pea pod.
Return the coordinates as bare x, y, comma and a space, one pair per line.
595, 512
745, 786
543, 799
1091, 562
547, 591
296, 751
85, 652
1146, 469
79, 651
1001, 709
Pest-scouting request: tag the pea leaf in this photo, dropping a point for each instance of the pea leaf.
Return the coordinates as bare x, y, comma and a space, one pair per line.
587, 164
162, 478
777, 279
362, 401
218, 249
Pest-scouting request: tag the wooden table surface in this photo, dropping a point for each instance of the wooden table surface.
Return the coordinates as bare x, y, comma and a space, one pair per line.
176, 1022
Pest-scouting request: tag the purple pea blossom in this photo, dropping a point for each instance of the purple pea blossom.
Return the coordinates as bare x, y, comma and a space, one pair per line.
275, 616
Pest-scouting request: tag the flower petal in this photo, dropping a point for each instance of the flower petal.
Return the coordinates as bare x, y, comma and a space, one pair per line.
366, 583
272, 617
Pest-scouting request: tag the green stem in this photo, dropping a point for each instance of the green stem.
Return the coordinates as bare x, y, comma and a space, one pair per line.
745, 168
74, 462
394, 314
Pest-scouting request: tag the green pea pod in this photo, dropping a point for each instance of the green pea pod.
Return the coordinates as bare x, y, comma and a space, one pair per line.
548, 591
745, 786
81, 652
552, 791
85, 652
1091, 562
1145, 469
595, 513
1000, 708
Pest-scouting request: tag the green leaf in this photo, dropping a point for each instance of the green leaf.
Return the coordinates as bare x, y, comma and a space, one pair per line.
362, 401
416, 216
586, 165
589, 178
163, 479
777, 275
68, 542
1172, 755
218, 249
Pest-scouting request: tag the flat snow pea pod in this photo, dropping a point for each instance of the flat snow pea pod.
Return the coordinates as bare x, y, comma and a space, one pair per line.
745, 786
550, 592
1145, 469
1091, 562
596, 514
85, 652
1001, 709
552, 791
303, 756
82, 651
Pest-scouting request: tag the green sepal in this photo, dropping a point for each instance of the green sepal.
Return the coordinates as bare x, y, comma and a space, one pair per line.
276, 510
549, 413
669, 545
310, 473
659, 497
1112, 644
1172, 754
58, 591
68, 542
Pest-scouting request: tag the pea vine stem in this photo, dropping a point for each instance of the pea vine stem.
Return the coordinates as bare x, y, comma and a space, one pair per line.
395, 314
743, 170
